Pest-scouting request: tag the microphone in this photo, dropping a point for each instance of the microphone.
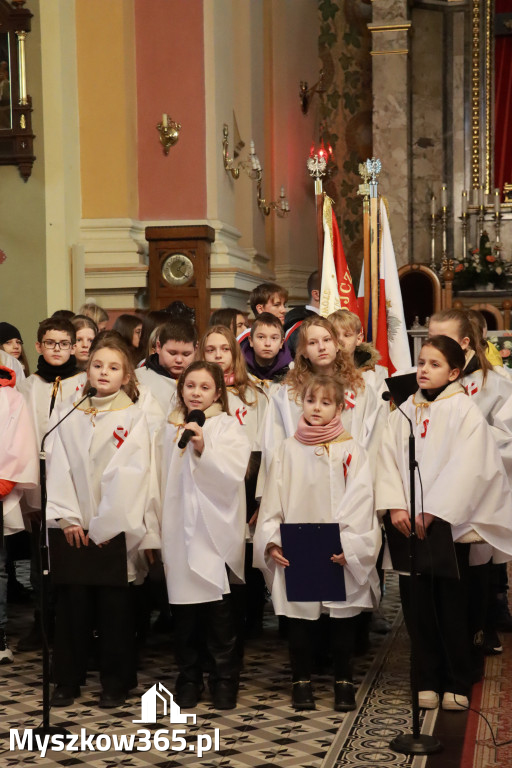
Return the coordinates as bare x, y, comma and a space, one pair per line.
197, 417
387, 396
91, 392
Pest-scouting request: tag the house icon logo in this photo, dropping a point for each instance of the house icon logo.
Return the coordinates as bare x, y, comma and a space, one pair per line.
150, 700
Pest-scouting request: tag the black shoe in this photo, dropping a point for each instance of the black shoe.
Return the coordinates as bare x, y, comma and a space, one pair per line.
302, 695
64, 695
492, 644
224, 695
188, 694
344, 696
33, 639
111, 699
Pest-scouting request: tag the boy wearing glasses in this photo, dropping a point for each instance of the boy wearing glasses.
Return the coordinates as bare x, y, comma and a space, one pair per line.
57, 378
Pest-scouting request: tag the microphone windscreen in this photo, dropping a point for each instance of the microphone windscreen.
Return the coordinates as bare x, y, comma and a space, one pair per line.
387, 396
92, 392
197, 417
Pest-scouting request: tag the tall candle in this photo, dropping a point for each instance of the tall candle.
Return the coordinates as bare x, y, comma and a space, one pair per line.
480, 196
464, 201
497, 195
164, 120
444, 196
282, 192
433, 206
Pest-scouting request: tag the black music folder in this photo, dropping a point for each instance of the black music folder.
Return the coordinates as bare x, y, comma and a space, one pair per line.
402, 387
311, 575
435, 555
92, 566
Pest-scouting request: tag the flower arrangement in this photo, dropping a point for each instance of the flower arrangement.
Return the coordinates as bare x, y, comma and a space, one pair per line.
503, 344
481, 266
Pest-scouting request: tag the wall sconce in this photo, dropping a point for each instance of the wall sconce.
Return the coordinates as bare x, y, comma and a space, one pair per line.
169, 133
281, 207
251, 166
306, 94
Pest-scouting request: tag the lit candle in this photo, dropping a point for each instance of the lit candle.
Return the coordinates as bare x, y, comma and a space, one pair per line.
282, 192
497, 196
433, 206
444, 196
464, 201
480, 196
165, 121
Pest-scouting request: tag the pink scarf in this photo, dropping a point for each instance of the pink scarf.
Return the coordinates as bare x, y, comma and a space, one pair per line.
311, 435
229, 379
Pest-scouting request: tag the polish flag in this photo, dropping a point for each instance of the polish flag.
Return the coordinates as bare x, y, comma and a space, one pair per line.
337, 291
391, 339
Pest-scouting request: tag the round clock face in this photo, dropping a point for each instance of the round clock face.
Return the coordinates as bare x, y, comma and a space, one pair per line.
177, 269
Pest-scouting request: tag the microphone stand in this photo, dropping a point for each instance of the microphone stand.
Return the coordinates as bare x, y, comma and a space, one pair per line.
414, 743
46, 728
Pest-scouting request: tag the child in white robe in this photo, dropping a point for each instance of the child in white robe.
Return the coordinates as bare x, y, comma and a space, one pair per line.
492, 393
248, 403
98, 486
203, 533
18, 470
321, 475
464, 483
318, 352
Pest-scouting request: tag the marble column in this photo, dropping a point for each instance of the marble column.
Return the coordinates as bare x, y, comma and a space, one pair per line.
391, 115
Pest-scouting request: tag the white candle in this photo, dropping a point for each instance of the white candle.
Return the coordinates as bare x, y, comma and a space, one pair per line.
282, 192
480, 196
464, 201
497, 196
165, 122
433, 206
444, 196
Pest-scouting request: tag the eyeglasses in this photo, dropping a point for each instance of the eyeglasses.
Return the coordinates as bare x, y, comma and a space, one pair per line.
51, 344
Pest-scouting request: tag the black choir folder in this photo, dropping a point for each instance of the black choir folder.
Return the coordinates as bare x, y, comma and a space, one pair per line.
90, 566
311, 575
435, 555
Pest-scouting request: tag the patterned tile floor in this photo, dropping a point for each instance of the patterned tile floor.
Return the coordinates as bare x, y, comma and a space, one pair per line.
263, 730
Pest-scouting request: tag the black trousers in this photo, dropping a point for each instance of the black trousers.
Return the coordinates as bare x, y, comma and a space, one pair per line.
301, 634
211, 627
444, 636
79, 611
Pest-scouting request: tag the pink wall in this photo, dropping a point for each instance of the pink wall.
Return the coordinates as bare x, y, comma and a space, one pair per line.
170, 78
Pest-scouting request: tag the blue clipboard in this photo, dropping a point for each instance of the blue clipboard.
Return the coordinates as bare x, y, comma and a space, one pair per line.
311, 575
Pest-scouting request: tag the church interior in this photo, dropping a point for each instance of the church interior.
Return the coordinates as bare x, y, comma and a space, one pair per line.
187, 128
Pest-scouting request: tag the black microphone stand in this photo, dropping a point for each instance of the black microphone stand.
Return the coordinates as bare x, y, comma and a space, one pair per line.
414, 743
46, 728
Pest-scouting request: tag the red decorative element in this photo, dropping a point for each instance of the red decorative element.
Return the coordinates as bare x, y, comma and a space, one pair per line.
241, 413
350, 399
120, 435
322, 151
471, 388
3, 256
425, 427
346, 465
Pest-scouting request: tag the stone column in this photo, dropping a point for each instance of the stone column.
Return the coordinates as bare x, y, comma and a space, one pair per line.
391, 115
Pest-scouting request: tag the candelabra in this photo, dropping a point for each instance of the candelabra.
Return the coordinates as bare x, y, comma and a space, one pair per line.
169, 132
433, 227
464, 220
282, 207
251, 166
